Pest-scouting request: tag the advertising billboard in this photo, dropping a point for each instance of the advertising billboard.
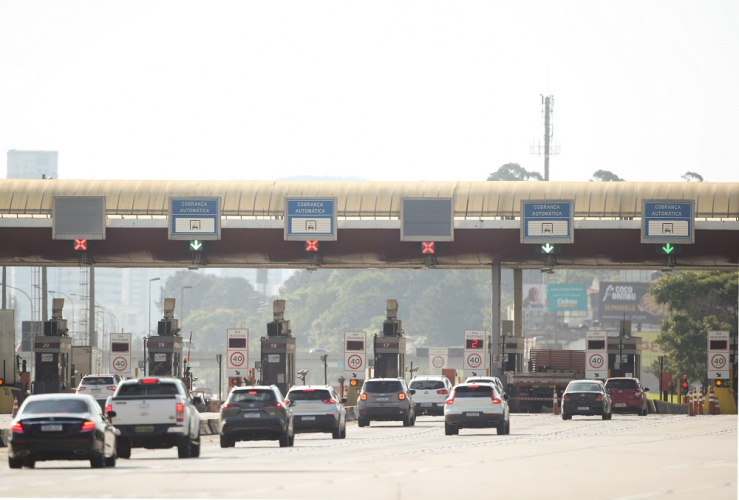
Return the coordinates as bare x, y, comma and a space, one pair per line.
555, 297
629, 301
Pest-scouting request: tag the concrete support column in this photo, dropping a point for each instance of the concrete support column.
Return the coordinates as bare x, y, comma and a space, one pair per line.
495, 306
518, 302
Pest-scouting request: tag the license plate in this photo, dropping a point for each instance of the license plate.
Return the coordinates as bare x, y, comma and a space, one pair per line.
51, 428
620, 405
425, 404
382, 399
251, 415
309, 418
144, 428
473, 413
95, 390
583, 408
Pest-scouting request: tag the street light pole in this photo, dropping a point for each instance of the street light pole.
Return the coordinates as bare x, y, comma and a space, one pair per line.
148, 325
182, 299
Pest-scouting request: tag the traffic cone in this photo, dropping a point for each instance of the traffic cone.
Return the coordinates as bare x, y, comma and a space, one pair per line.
15, 406
718, 406
711, 402
555, 402
691, 405
701, 403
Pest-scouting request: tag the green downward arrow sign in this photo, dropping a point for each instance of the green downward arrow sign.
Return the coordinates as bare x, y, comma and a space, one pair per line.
668, 248
547, 248
196, 245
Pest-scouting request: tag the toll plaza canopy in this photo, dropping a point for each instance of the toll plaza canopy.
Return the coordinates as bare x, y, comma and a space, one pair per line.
486, 224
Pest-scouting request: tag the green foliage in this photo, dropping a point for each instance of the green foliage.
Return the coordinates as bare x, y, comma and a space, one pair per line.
514, 172
605, 176
692, 177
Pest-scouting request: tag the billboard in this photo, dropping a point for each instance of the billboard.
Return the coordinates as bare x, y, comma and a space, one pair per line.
629, 301
555, 297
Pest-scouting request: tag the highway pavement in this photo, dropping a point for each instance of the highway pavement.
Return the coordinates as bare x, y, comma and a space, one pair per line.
629, 457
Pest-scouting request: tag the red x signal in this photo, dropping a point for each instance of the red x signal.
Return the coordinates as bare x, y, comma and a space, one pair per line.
428, 247
311, 246
80, 244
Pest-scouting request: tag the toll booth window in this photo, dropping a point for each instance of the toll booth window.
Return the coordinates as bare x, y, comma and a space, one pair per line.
147, 390
56, 406
355, 345
317, 395
98, 381
596, 344
474, 344
385, 386
237, 343
120, 347
427, 384
719, 345
252, 396
621, 384
471, 391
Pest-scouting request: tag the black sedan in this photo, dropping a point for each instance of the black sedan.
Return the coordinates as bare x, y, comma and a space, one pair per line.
586, 397
61, 427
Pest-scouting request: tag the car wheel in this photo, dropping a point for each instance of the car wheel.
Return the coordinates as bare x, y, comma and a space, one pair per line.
449, 430
184, 448
227, 442
407, 421
501, 429
508, 427
97, 461
413, 422
195, 448
363, 422
123, 448
643, 413
566, 416
15, 463
343, 431
111, 460
336, 433
284, 440
29, 464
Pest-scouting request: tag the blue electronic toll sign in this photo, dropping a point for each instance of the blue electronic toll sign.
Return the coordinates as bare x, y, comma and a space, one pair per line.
547, 221
194, 218
310, 219
668, 221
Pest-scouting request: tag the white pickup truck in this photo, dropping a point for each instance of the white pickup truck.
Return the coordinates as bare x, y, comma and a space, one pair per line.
155, 412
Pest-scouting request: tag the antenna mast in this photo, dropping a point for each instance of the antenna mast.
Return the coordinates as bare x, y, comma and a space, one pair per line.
548, 148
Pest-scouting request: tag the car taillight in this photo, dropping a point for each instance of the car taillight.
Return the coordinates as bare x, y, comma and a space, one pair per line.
496, 401
450, 400
88, 425
309, 390
278, 405
637, 394
108, 408
111, 388
331, 401
565, 397
442, 391
228, 406
81, 389
401, 396
363, 397
149, 381
180, 409
17, 427
287, 401
599, 398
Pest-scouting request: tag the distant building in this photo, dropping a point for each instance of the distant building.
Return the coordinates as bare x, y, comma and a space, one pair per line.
33, 164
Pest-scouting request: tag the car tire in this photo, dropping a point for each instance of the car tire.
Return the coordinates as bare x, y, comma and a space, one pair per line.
15, 463
284, 440
227, 442
30, 464
111, 460
413, 422
195, 448
97, 461
566, 416
363, 422
501, 429
449, 430
508, 427
336, 433
123, 448
643, 413
343, 432
407, 421
184, 447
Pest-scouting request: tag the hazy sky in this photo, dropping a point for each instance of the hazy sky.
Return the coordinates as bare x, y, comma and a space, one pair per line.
383, 90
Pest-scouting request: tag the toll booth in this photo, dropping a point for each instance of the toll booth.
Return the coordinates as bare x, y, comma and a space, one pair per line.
511, 349
165, 349
353, 390
278, 351
390, 346
53, 354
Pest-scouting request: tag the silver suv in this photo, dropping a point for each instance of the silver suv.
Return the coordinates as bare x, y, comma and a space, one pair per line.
256, 413
476, 406
431, 393
99, 386
317, 408
385, 399
487, 380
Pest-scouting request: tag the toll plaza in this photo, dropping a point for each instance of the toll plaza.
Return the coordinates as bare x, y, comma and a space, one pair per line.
624, 353
278, 351
165, 350
53, 354
390, 346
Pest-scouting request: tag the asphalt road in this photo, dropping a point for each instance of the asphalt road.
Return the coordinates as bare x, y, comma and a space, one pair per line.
629, 457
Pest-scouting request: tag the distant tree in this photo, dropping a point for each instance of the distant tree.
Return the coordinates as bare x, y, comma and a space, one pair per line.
514, 172
605, 176
692, 177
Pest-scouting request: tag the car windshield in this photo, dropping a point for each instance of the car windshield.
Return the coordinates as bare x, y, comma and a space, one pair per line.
56, 406
622, 384
309, 395
98, 381
473, 391
583, 387
383, 386
427, 384
141, 390
253, 396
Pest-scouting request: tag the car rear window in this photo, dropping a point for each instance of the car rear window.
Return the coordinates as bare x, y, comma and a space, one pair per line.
146, 390
383, 386
252, 396
473, 391
583, 387
98, 381
309, 395
56, 406
621, 384
427, 384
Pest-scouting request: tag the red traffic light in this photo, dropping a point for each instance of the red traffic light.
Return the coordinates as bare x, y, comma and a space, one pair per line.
80, 244
427, 247
311, 246
685, 381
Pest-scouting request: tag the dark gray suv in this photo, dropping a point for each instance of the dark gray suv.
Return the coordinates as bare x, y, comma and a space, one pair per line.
386, 399
256, 413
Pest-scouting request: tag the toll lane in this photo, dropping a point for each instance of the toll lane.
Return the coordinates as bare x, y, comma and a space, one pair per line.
627, 457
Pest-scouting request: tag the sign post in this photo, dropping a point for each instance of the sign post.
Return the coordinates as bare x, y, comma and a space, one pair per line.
237, 352
120, 354
718, 355
438, 359
475, 351
355, 352
596, 354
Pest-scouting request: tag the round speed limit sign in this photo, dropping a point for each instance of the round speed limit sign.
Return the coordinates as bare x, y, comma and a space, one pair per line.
237, 359
354, 362
718, 361
120, 364
438, 361
474, 360
596, 361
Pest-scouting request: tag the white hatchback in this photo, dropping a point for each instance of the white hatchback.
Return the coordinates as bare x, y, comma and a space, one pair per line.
99, 386
476, 406
431, 393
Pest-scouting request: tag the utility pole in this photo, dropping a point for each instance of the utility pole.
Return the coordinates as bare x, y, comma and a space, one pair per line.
548, 149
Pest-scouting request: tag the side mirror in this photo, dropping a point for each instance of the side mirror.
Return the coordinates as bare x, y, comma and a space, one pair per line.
609, 391
412, 391
112, 414
505, 397
343, 400
197, 400
646, 389
292, 403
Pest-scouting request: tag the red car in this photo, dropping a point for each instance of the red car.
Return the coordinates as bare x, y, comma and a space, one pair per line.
628, 395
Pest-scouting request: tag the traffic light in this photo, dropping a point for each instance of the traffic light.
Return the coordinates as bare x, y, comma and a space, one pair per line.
667, 249
721, 383
685, 383
548, 249
428, 247
353, 382
311, 245
2, 381
196, 246
80, 245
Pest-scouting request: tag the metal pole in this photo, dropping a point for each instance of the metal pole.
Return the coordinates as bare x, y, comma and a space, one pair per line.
219, 359
5, 275
518, 303
44, 298
495, 305
148, 325
546, 138
91, 318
